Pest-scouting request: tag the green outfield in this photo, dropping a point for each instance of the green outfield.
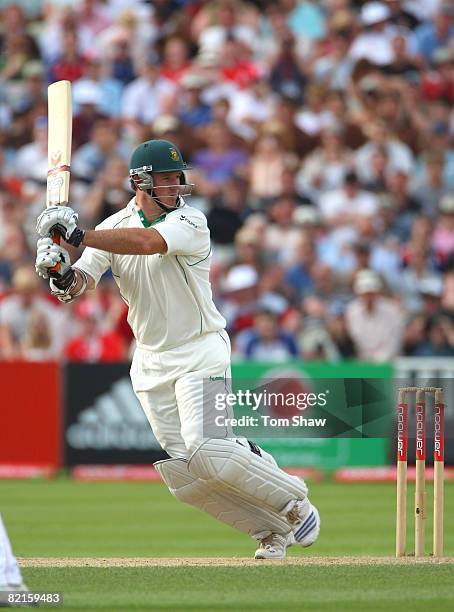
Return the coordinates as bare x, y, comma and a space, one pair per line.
64, 520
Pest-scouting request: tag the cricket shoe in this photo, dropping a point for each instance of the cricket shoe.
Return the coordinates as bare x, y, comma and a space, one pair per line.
273, 546
305, 522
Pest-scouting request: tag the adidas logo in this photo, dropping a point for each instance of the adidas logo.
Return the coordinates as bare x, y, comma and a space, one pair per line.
114, 421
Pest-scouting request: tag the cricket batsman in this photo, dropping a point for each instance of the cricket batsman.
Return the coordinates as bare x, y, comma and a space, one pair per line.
158, 249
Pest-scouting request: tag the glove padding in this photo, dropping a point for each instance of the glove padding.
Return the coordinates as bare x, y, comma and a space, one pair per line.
48, 255
62, 219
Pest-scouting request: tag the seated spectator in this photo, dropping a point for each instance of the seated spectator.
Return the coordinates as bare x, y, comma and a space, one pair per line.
280, 233
268, 342
429, 188
298, 277
19, 312
93, 345
314, 117
375, 323
443, 236
225, 218
267, 164
37, 343
92, 157
403, 63
326, 167
175, 61
236, 63
121, 62
399, 155
145, 97
438, 83
109, 193
342, 206
436, 33
193, 112
336, 326
374, 43
69, 65
110, 89
250, 108
31, 159
334, 67
438, 338
418, 269
87, 100
314, 339
218, 162
240, 297
287, 76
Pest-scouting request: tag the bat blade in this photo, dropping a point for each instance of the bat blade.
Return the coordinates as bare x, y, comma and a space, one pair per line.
59, 137
59, 143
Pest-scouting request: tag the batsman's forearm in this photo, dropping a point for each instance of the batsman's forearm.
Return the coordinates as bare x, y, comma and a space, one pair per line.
126, 241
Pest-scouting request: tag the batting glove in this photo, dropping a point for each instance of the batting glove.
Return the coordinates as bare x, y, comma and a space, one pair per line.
61, 219
48, 255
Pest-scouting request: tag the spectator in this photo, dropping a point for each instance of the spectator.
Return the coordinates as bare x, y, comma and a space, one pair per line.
193, 112
438, 338
325, 168
69, 65
268, 342
429, 189
219, 161
321, 142
287, 76
340, 207
175, 62
87, 98
267, 165
443, 236
110, 89
437, 33
22, 310
375, 42
144, 97
399, 155
109, 192
31, 159
92, 344
314, 117
374, 322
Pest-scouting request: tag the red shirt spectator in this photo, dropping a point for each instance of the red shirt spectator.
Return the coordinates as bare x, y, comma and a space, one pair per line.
93, 345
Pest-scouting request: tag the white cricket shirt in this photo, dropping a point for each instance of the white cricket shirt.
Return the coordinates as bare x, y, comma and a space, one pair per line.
169, 296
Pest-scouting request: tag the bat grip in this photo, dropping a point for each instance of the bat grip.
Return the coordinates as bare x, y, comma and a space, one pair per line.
56, 239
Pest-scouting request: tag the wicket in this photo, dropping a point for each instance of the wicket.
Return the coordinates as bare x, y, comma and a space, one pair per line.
402, 456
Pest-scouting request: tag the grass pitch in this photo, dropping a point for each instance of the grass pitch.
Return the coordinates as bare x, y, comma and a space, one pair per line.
61, 520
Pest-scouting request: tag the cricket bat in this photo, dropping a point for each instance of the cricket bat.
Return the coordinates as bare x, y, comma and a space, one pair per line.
58, 147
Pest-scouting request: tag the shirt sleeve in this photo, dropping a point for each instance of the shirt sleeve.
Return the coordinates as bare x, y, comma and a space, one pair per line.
94, 261
185, 233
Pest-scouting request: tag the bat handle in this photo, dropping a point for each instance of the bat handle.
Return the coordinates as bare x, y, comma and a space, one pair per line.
56, 239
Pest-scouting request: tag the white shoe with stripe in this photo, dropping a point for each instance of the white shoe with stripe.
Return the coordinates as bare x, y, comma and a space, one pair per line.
273, 546
305, 521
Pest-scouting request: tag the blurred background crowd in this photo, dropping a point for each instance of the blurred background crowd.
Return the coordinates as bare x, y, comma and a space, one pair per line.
320, 136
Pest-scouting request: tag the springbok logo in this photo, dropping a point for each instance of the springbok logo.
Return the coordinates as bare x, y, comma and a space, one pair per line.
174, 154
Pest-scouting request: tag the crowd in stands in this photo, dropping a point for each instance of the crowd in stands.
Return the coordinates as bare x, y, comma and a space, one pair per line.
320, 136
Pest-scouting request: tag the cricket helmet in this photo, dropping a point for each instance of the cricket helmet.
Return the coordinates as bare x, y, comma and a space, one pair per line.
156, 156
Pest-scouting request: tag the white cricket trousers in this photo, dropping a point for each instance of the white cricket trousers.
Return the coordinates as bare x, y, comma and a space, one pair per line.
176, 390
9, 570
